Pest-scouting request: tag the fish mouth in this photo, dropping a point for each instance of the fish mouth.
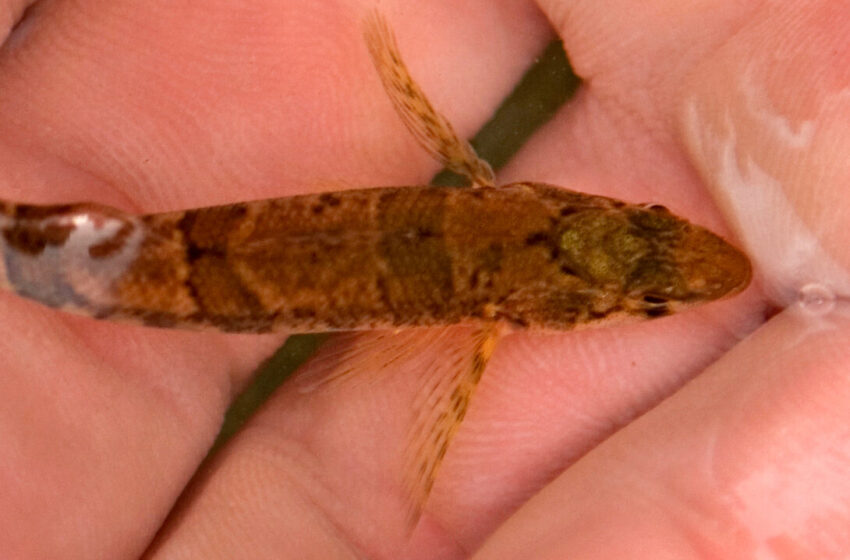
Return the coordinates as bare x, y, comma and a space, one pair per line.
711, 267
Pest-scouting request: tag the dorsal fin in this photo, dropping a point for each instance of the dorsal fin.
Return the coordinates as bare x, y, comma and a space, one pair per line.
431, 129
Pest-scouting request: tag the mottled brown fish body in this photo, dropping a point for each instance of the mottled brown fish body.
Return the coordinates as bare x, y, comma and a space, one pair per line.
528, 254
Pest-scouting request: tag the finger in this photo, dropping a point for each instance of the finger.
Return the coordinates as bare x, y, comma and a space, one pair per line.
618, 137
747, 458
264, 470
703, 454
99, 439
104, 424
598, 381
770, 145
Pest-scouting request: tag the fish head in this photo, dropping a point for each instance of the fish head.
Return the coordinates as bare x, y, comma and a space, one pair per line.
656, 262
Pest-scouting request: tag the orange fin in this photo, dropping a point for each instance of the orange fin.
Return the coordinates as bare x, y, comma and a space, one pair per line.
441, 406
431, 129
445, 365
360, 356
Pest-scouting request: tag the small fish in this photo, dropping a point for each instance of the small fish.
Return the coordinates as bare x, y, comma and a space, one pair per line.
520, 256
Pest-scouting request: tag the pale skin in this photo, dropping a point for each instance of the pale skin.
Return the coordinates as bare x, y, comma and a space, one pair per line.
165, 107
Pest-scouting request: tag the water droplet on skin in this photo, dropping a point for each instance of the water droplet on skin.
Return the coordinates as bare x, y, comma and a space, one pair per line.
816, 299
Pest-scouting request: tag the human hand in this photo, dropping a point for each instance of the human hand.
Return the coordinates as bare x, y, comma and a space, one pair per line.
148, 108
749, 459
135, 409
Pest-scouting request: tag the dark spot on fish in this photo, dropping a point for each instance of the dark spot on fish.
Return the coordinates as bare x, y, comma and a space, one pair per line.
193, 252
30, 239
32, 212
442, 451
659, 311
112, 245
458, 405
330, 199
426, 118
303, 312
537, 238
159, 319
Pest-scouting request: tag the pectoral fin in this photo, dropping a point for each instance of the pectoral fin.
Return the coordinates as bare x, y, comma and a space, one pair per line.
440, 408
447, 364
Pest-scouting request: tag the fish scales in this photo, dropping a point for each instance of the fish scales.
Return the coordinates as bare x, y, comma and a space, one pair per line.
529, 254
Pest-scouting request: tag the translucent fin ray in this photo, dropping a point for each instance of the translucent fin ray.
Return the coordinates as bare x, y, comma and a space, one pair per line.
451, 359
431, 129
